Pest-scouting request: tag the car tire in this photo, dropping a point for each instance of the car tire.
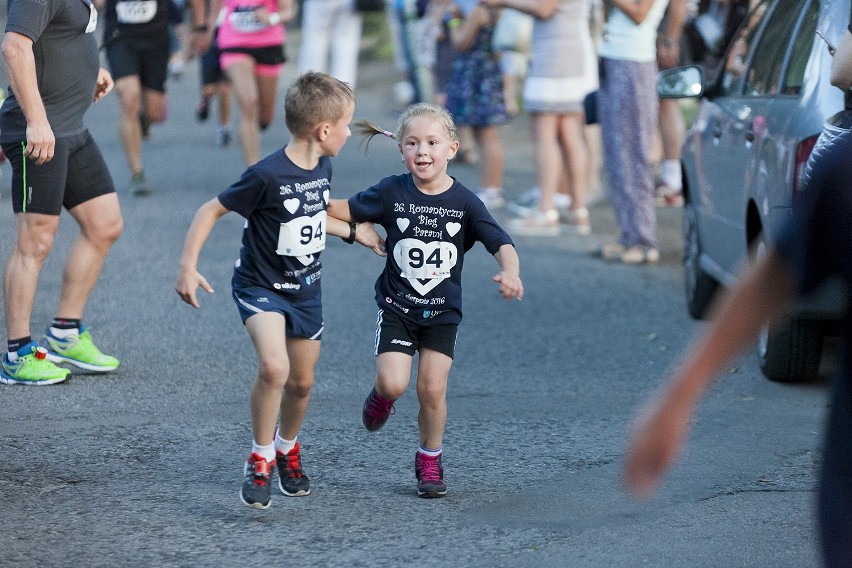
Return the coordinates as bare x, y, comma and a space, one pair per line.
700, 287
790, 352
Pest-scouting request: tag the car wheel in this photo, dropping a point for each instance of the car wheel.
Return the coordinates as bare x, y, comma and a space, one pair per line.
699, 286
790, 352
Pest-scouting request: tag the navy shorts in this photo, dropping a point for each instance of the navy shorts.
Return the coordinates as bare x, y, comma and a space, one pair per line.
211, 71
394, 334
76, 174
148, 58
303, 317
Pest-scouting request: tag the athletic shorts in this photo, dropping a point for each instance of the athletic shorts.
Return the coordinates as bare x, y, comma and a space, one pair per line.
211, 71
303, 317
393, 334
76, 174
148, 58
268, 60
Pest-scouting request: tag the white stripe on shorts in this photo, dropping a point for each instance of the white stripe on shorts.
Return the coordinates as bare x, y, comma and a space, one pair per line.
379, 321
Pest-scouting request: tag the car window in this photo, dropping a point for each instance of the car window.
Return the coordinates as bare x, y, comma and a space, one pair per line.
802, 47
765, 71
735, 59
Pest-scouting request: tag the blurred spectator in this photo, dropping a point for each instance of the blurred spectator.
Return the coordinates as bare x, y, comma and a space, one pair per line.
475, 93
331, 39
627, 109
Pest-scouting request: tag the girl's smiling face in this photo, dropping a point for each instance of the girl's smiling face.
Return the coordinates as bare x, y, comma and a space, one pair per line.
426, 147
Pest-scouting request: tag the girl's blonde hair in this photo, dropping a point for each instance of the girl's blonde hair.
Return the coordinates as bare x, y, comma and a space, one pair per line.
440, 114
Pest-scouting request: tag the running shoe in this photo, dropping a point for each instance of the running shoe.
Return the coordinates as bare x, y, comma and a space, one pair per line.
430, 476
542, 224
202, 110
223, 136
255, 491
32, 367
80, 351
138, 187
145, 126
292, 481
376, 411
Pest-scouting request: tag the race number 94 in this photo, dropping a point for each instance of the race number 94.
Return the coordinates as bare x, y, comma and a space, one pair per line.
302, 235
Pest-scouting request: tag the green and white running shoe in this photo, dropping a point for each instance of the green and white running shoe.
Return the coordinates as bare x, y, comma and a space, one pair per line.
32, 367
78, 350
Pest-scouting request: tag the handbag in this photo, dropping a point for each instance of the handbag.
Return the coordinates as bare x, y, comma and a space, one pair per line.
513, 31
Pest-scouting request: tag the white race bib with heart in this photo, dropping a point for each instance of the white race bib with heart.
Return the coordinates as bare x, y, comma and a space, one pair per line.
302, 236
424, 265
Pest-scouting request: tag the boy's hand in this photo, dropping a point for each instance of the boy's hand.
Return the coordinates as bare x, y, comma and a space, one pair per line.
366, 234
187, 283
511, 286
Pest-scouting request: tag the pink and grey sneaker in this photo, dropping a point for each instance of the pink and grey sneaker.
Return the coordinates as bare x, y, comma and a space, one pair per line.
377, 409
430, 476
255, 491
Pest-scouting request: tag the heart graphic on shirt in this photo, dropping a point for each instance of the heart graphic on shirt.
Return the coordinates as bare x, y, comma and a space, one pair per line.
402, 223
453, 228
325, 196
416, 258
306, 260
291, 205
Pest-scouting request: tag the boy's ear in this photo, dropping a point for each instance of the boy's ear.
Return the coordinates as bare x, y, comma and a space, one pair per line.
322, 130
454, 147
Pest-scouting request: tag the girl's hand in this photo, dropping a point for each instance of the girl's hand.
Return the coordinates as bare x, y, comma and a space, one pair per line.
511, 287
187, 283
366, 234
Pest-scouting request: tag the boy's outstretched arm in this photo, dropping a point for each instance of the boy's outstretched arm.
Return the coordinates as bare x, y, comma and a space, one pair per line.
763, 294
509, 277
339, 218
189, 279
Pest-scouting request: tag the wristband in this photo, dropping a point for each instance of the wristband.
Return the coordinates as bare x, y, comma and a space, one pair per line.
351, 238
274, 19
454, 23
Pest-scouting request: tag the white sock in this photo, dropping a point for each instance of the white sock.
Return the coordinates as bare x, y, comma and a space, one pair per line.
266, 452
283, 445
670, 173
63, 333
430, 453
562, 200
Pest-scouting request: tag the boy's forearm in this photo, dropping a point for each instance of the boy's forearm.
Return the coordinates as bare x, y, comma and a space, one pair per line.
202, 224
337, 227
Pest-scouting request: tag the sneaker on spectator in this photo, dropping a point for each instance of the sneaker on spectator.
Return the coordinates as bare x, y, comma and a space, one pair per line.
202, 109
541, 224
578, 219
32, 367
526, 204
376, 410
78, 350
430, 476
491, 197
668, 196
138, 187
255, 491
292, 481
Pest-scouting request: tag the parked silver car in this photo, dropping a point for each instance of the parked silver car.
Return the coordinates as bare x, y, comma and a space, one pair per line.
745, 154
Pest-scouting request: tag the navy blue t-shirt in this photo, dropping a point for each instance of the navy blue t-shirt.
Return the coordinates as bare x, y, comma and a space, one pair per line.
427, 237
285, 210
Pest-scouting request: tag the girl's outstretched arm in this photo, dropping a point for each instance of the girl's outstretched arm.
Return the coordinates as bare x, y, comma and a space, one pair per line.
509, 277
365, 233
763, 294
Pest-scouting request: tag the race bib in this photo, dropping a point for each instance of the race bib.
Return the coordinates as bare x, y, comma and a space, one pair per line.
136, 11
302, 235
424, 264
245, 20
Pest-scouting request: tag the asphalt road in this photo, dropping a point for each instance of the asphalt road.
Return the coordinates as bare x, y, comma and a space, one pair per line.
142, 467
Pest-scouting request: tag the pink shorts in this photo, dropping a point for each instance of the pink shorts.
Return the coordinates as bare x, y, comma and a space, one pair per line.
260, 69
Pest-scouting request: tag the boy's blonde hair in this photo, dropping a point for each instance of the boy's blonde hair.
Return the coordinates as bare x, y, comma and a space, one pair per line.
440, 114
315, 98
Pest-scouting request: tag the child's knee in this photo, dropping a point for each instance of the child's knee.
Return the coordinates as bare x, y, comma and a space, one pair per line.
299, 386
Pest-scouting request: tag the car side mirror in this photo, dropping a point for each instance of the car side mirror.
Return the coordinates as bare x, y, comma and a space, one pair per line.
681, 82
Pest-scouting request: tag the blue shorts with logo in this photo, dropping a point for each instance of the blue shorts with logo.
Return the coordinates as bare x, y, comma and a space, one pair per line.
303, 317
